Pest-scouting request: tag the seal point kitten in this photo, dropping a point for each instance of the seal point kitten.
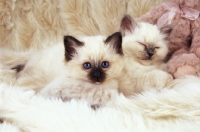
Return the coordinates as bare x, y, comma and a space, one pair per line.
80, 68
145, 47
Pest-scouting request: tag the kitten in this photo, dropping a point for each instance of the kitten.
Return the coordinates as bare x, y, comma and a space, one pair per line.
145, 48
84, 68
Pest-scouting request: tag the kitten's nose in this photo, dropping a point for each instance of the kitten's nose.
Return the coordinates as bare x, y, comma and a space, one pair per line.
97, 74
150, 52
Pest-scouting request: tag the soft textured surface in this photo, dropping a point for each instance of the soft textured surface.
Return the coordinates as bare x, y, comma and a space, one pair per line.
29, 24
8, 127
174, 110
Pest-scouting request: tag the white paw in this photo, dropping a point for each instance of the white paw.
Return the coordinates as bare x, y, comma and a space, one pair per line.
158, 79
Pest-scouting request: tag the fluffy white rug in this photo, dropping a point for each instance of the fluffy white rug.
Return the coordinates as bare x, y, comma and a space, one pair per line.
167, 110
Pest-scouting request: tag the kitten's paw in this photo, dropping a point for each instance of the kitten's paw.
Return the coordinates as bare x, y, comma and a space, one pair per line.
159, 79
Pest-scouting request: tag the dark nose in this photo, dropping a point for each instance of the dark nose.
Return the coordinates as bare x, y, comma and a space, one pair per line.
97, 74
150, 52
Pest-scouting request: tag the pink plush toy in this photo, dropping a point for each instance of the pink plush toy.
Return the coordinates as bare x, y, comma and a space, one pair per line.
184, 47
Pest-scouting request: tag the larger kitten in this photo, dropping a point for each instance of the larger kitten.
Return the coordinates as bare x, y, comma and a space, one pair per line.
83, 68
145, 48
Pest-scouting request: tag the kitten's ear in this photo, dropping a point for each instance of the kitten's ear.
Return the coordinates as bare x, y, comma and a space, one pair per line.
70, 44
166, 30
115, 40
127, 25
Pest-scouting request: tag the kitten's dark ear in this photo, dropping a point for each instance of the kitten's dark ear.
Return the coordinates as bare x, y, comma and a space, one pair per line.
115, 40
127, 25
166, 30
71, 44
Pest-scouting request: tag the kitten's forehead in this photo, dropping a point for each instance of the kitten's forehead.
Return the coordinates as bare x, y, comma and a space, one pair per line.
94, 44
94, 48
148, 33
92, 39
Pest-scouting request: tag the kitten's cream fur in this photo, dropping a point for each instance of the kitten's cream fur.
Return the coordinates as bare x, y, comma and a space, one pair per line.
143, 71
54, 72
139, 73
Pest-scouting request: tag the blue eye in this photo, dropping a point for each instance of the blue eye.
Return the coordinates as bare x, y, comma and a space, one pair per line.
105, 64
87, 65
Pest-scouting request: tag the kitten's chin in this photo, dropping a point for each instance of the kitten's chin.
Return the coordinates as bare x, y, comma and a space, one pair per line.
91, 82
146, 62
94, 83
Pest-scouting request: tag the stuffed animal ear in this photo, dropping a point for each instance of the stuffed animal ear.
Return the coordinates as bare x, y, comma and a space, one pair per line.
127, 25
166, 30
115, 40
70, 44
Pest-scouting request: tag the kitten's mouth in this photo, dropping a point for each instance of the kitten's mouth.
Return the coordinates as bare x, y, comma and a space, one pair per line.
147, 58
98, 83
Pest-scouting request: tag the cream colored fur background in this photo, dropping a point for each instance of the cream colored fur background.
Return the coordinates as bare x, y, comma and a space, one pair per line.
39, 23
35, 24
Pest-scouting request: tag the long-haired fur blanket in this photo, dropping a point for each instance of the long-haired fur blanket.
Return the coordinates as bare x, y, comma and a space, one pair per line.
36, 24
161, 110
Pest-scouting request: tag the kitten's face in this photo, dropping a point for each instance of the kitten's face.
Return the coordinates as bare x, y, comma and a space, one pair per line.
95, 59
145, 42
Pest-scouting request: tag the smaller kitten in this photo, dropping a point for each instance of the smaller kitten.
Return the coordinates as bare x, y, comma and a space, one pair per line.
84, 68
145, 48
